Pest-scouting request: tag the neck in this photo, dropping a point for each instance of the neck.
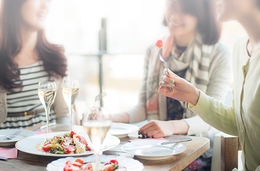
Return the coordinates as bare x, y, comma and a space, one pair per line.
29, 40
184, 41
28, 54
251, 24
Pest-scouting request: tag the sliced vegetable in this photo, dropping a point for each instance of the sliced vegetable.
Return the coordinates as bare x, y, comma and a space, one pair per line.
114, 161
67, 165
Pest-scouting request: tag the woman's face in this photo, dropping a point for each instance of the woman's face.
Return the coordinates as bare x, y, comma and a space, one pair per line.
233, 9
34, 13
179, 23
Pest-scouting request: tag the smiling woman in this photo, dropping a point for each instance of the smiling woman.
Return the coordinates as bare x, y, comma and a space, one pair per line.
192, 51
26, 58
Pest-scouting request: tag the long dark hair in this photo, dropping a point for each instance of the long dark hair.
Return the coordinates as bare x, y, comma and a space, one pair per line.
203, 10
54, 60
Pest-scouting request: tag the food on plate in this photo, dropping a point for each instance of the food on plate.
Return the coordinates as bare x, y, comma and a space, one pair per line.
68, 143
159, 43
79, 165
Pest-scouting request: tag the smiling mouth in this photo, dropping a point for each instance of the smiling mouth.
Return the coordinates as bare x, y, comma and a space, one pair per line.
175, 25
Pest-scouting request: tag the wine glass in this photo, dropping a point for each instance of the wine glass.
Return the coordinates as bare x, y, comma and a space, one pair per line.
47, 94
97, 123
70, 91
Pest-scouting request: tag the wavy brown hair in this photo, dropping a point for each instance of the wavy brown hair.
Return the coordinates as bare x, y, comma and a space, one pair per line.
54, 60
204, 11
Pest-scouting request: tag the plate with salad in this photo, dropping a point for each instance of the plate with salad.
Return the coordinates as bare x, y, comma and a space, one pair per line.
61, 144
108, 163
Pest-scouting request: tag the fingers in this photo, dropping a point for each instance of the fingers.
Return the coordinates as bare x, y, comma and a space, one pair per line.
151, 129
169, 73
145, 127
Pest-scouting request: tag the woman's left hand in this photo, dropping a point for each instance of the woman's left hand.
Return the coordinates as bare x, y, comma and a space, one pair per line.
158, 129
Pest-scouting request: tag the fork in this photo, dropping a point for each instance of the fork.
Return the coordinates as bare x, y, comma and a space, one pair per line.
14, 134
165, 65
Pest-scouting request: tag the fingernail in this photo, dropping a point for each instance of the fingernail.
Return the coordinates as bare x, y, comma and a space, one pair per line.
172, 85
172, 81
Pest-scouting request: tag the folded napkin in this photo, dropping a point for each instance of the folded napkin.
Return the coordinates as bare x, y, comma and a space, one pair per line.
10, 153
42, 131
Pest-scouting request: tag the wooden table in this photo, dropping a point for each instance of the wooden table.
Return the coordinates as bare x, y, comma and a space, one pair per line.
195, 148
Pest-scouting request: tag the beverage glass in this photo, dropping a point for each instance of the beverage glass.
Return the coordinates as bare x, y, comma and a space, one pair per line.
47, 94
97, 123
70, 91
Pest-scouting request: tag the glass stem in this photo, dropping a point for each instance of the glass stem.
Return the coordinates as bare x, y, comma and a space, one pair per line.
70, 112
48, 111
97, 155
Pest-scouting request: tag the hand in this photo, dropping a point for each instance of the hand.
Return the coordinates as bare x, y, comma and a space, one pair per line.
178, 88
158, 129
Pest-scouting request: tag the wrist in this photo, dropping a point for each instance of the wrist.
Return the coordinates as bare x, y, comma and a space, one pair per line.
195, 98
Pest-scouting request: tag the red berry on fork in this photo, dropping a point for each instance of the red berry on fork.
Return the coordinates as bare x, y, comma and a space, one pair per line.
159, 43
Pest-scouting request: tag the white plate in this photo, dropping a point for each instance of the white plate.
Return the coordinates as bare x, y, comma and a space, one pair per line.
30, 144
121, 130
153, 153
5, 142
129, 163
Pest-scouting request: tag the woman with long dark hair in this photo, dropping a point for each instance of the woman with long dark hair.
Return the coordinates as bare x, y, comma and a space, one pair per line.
193, 51
26, 58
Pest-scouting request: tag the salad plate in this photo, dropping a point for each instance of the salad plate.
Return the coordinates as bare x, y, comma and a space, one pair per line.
32, 145
129, 163
121, 130
8, 132
154, 153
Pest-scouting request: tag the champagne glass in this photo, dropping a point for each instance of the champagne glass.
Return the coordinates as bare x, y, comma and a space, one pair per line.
70, 91
47, 94
97, 123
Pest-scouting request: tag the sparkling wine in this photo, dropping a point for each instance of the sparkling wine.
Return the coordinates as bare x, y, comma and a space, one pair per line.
97, 131
70, 95
47, 97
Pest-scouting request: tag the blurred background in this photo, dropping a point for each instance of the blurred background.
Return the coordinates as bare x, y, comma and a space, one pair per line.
131, 26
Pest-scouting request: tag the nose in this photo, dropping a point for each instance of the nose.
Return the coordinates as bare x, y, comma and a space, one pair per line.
175, 17
45, 4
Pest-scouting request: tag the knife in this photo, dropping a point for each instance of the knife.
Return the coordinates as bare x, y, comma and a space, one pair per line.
3, 158
163, 143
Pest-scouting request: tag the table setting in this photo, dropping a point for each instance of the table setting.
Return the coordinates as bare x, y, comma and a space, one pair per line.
97, 144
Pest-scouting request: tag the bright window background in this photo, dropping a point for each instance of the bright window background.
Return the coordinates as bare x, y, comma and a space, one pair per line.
132, 25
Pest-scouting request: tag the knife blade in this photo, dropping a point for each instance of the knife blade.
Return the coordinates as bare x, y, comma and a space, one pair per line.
3, 158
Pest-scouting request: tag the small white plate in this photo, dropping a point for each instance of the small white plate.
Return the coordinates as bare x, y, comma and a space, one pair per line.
121, 130
153, 153
5, 142
129, 163
32, 144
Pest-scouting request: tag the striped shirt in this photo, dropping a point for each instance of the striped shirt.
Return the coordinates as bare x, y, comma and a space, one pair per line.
27, 98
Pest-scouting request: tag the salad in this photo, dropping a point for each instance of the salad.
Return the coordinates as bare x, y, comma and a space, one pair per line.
66, 144
79, 165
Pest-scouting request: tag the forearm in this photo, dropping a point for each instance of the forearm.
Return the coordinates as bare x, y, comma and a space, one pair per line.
178, 127
218, 115
120, 117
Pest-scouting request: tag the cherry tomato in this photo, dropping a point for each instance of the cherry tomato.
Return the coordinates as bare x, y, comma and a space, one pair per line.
106, 163
67, 165
82, 140
46, 148
65, 139
72, 133
88, 148
80, 161
77, 164
114, 162
110, 168
71, 149
159, 43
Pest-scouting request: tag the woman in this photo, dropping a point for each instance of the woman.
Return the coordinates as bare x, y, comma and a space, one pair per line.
192, 50
26, 58
243, 117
